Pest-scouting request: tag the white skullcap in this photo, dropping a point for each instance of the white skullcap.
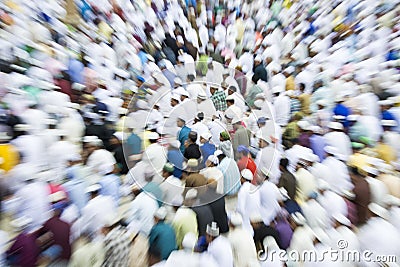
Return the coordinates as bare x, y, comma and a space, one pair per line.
391, 200
370, 170
236, 219
189, 241
119, 135
247, 174
323, 185
331, 150
320, 235
341, 219
389, 123
289, 69
353, 117
191, 194
298, 218
111, 219
218, 152
335, 125
175, 143
258, 103
378, 210
206, 135
256, 217
179, 39
141, 104
236, 119
57, 196
277, 89
322, 102
161, 213
178, 80
202, 95
93, 188
267, 172
212, 229
21, 223
258, 58
304, 125
176, 97
181, 91
177, 201
153, 136
214, 159
348, 194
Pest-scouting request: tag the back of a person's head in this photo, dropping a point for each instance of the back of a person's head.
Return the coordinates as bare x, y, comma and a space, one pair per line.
193, 136
284, 163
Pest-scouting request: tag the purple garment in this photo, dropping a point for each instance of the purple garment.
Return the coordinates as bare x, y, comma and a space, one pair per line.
24, 250
285, 233
318, 144
304, 140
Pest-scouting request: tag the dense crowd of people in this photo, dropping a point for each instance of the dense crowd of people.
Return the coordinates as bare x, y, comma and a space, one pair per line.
199, 132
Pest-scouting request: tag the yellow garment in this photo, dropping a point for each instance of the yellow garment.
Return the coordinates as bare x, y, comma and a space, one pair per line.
305, 100
385, 152
184, 222
9, 155
240, 31
144, 137
290, 84
358, 160
105, 30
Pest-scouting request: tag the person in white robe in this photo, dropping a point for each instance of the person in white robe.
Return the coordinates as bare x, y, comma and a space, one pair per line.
154, 155
218, 246
338, 139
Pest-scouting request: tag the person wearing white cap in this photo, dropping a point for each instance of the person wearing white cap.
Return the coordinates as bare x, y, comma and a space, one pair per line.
305, 182
171, 186
338, 139
162, 235
303, 236
340, 179
243, 247
154, 155
248, 199
377, 188
94, 214
315, 214
212, 172
183, 223
59, 151
218, 246
269, 196
378, 235
281, 104
98, 156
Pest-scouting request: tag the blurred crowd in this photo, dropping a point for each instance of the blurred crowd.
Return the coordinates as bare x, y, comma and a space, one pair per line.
212, 132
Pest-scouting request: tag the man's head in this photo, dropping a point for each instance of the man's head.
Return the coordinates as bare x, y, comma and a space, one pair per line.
168, 170
192, 137
246, 176
231, 90
174, 100
283, 164
243, 151
302, 87
160, 215
212, 232
213, 89
180, 122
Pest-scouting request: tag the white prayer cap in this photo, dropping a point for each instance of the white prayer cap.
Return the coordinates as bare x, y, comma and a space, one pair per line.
331, 150
255, 217
320, 235
178, 80
177, 201
78, 86
277, 89
307, 156
258, 58
323, 185
110, 220
119, 135
322, 102
93, 188
391, 200
212, 229
335, 125
389, 123
122, 73
339, 98
370, 170
153, 136
206, 135
105, 168
378, 210
289, 69
258, 103
386, 102
353, 117
315, 129
141, 104
122, 111
189, 241
73, 157
57, 196
180, 91
218, 152
161, 213
214, 159
21, 223
236, 219
202, 95
298, 218
179, 39
338, 117
176, 97
191, 194
348, 194
284, 194
270, 244
304, 125
236, 119
22, 127
341, 219
175, 143
267, 172
4, 136
230, 97
247, 174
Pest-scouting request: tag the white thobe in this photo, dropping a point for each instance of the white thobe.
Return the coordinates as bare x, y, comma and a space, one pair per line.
338, 180
59, 152
315, 214
171, 187
248, 201
305, 185
269, 157
141, 213
33, 202
217, 175
96, 212
36, 119
378, 190
100, 158
155, 156
339, 140
333, 203
216, 127
282, 110
221, 250
269, 206
243, 248
31, 147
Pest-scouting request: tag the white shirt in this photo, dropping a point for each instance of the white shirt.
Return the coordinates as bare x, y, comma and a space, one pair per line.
339, 140
248, 203
96, 212
243, 248
141, 212
155, 156
282, 109
216, 174
171, 188
100, 158
221, 250
269, 206
339, 179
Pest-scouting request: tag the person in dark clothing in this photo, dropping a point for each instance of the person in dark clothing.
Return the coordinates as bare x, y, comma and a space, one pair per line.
287, 179
192, 150
203, 212
260, 73
171, 43
363, 195
118, 151
261, 231
217, 205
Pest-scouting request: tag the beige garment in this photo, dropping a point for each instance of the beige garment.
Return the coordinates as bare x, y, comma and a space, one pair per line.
138, 253
392, 183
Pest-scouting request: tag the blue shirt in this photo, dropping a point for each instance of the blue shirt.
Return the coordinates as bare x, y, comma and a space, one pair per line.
183, 136
75, 189
134, 144
162, 239
206, 149
175, 157
342, 110
387, 115
110, 187
231, 174
75, 70
317, 143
